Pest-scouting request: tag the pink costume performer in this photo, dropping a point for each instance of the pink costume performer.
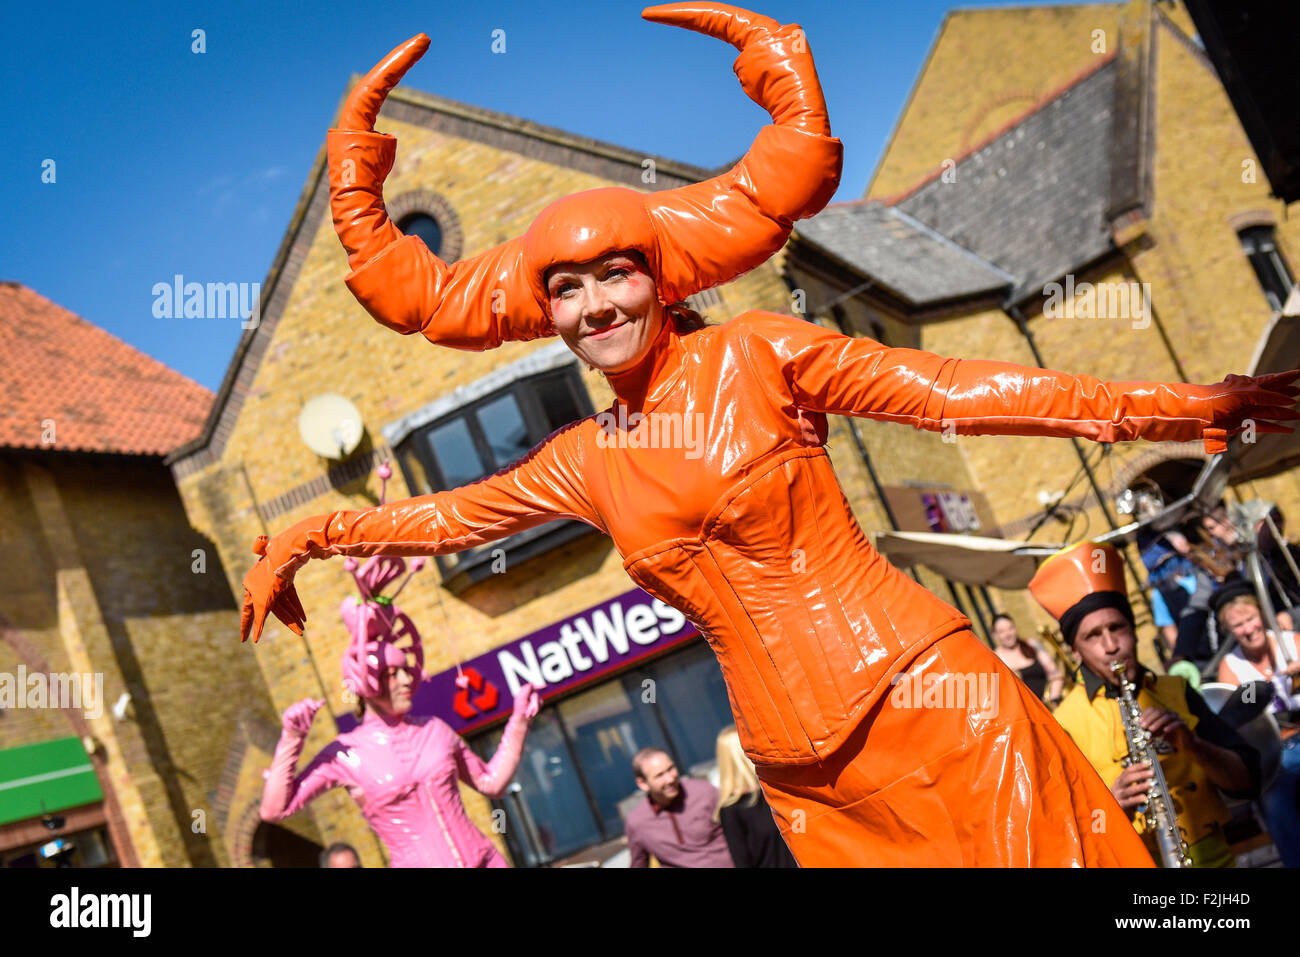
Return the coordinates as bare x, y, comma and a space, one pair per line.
402, 770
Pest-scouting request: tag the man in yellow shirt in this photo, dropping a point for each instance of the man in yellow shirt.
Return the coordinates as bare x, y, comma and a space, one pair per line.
1083, 587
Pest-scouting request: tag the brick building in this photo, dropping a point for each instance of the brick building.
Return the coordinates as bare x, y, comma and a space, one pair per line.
119, 699
1109, 156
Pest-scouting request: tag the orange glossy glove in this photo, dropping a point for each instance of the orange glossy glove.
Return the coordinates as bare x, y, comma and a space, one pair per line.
1242, 402
269, 585
990, 398
829, 372
544, 485
265, 590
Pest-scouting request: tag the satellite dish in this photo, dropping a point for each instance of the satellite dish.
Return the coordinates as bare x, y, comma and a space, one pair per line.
331, 426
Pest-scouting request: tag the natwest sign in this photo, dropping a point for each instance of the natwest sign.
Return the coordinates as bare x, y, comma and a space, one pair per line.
560, 657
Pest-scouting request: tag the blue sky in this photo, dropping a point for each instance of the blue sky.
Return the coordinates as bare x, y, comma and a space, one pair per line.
169, 161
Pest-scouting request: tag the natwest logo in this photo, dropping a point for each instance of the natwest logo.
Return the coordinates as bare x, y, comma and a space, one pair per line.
557, 658
590, 642
476, 695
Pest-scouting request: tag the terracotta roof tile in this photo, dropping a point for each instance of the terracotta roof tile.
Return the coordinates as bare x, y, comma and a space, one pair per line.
102, 394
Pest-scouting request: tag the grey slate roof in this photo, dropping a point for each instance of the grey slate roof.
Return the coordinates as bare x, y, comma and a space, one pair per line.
891, 247
1034, 200
1020, 212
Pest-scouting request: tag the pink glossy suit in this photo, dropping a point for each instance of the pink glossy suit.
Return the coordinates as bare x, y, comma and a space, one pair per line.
401, 770
753, 540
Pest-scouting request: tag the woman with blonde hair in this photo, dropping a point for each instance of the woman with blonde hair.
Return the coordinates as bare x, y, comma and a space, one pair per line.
747, 823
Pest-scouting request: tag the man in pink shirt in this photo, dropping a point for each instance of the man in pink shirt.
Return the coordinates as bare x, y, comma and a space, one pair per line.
675, 823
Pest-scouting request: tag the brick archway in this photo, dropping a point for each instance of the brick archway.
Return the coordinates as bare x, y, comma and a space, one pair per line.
241, 836
1145, 461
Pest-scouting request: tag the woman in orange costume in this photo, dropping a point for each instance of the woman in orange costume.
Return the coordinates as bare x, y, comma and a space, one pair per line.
753, 540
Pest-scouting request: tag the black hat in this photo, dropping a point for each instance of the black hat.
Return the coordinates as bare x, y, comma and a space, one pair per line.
1230, 589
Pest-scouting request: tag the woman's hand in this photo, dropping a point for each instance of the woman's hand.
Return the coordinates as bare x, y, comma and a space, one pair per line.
265, 591
1242, 402
298, 717
527, 702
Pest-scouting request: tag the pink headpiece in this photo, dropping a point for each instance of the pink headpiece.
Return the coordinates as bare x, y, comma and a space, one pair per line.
383, 636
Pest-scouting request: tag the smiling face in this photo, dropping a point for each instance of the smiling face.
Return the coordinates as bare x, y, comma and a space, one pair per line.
607, 311
659, 778
1005, 634
1243, 620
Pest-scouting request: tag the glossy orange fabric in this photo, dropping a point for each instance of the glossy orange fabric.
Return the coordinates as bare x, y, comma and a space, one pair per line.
1000, 784
747, 532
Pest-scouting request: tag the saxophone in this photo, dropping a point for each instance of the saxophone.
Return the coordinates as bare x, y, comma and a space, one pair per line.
1158, 811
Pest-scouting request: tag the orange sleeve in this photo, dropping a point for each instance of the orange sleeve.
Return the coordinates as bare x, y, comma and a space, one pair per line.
825, 371
545, 485
476, 303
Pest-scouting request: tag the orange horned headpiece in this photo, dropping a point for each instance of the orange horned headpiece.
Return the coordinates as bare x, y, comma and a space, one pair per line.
693, 237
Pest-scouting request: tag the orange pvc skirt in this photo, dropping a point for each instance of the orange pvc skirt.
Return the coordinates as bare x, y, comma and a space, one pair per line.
928, 780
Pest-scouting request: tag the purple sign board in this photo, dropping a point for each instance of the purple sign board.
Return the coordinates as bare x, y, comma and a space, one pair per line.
562, 656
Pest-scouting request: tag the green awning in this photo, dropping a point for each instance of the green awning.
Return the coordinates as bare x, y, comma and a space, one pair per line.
46, 777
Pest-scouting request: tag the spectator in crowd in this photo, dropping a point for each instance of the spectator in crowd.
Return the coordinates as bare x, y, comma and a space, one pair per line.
675, 823
1171, 579
747, 823
1217, 558
1034, 666
1259, 657
1275, 552
339, 854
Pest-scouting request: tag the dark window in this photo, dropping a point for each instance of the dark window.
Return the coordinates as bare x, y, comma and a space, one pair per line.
1270, 268
485, 437
575, 783
424, 226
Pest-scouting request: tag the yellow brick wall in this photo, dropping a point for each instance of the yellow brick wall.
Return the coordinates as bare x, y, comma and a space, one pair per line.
128, 599
972, 84
1204, 292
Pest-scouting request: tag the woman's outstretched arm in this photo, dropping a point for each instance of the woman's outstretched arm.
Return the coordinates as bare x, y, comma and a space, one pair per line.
286, 794
824, 371
546, 484
491, 778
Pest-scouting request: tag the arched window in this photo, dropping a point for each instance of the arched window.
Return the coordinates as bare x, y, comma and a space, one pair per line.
424, 226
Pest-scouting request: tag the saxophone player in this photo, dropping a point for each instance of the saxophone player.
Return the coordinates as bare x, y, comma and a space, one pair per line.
1083, 587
